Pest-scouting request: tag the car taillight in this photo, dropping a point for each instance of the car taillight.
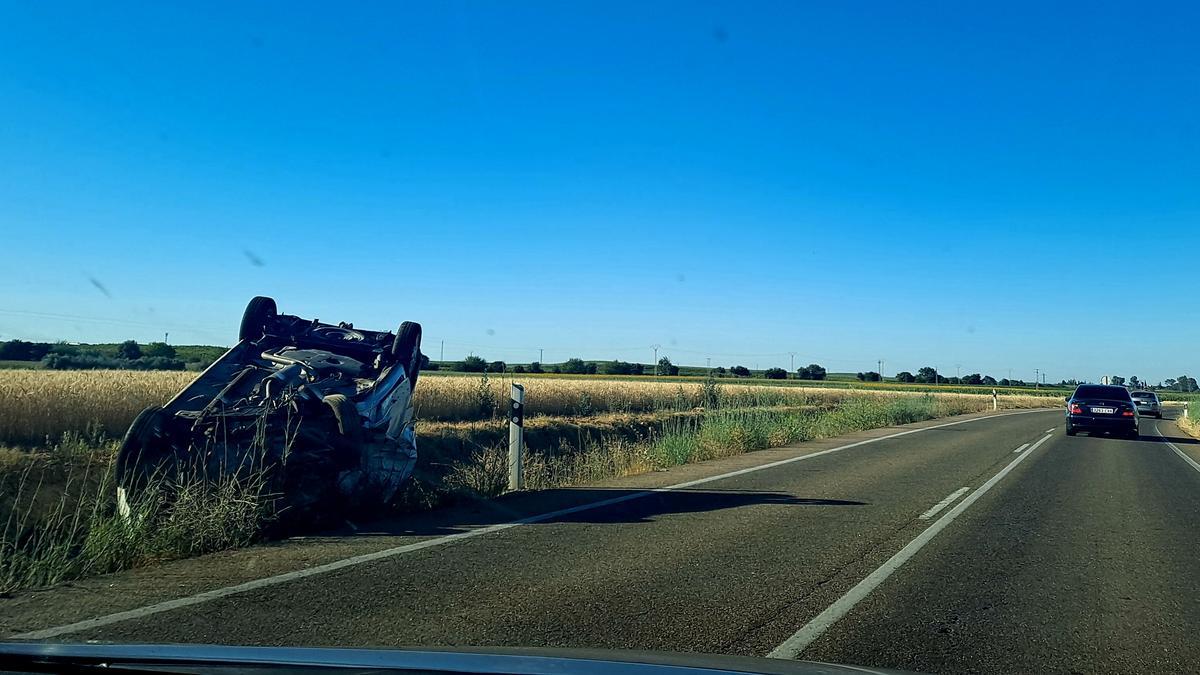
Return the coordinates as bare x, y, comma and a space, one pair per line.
1076, 409
1126, 413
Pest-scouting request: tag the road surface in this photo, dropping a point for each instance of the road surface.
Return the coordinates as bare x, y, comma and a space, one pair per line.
977, 544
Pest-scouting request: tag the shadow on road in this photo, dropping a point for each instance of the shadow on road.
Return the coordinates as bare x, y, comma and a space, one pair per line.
1178, 440
641, 509
1144, 438
646, 509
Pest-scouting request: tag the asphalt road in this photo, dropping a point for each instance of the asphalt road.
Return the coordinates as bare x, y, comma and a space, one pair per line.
1047, 554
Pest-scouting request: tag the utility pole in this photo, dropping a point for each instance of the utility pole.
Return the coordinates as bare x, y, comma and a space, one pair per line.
793, 355
540, 350
708, 362
166, 338
442, 354
1035, 378
880, 371
655, 348
958, 372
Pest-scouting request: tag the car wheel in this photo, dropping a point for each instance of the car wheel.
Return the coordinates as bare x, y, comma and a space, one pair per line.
258, 314
1133, 435
1158, 415
1071, 432
348, 421
407, 349
142, 456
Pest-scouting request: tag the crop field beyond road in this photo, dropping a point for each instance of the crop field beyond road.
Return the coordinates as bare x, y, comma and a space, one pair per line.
36, 405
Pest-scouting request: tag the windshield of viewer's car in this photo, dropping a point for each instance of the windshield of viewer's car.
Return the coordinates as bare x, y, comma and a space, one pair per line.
697, 328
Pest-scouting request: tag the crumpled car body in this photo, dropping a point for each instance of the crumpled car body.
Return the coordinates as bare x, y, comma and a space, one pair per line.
323, 410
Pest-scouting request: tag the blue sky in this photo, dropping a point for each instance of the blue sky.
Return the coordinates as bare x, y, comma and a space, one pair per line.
999, 187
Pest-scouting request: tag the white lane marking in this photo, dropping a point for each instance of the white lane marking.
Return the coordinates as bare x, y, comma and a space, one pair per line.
286, 577
1051, 430
1179, 452
792, 647
1020, 448
943, 504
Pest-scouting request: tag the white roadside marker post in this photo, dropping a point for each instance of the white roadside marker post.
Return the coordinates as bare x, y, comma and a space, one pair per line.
516, 437
995, 400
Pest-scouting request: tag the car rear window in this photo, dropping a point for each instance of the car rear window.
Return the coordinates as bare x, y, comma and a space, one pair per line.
1102, 391
1143, 394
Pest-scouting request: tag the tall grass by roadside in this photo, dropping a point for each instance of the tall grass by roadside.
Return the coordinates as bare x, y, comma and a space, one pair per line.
62, 527
1190, 424
721, 433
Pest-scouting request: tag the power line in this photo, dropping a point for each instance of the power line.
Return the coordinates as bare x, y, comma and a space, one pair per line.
112, 321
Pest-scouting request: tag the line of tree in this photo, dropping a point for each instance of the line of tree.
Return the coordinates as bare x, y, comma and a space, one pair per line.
162, 356
929, 375
812, 371
1182, 383
128, 355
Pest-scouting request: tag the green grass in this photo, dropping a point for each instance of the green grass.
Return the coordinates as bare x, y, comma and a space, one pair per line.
19, 365
720, 433
204, 353
60, 527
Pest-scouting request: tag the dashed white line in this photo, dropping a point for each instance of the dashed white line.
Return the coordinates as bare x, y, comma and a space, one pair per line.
1020, 448
792, 647
217, 593
1051, 430
943, 504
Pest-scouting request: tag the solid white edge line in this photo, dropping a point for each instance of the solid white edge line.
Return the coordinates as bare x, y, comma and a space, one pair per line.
1179, 452
943, 504
218, 593
1020, 448
812, 630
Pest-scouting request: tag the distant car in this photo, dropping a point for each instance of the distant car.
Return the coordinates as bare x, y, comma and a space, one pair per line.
1147, 403
1097, 408
325, 410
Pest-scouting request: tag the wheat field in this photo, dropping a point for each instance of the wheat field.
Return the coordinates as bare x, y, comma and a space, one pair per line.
37, 405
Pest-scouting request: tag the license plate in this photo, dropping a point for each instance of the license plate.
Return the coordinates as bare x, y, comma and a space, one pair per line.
1103, 411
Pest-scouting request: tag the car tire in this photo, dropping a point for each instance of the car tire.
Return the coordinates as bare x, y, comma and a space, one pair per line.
406, 349
1158, 415
1071, 432
1133, 435
142, 457
348, 421
258, 314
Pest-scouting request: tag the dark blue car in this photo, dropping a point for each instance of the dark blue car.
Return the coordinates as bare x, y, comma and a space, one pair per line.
1098, 408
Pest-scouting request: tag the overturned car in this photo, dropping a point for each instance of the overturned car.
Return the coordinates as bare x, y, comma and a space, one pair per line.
322, 412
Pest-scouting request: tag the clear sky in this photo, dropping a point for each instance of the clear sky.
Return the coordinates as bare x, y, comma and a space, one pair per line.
1012, 186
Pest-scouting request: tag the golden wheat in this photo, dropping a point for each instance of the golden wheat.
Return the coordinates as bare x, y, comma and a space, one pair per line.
39, 404
36, 404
